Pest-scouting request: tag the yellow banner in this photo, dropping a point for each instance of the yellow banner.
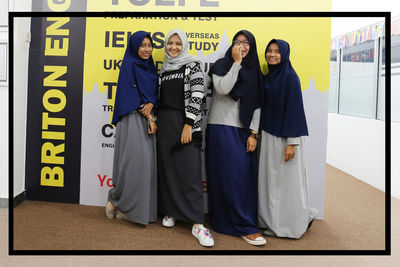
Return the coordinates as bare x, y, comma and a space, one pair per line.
209, 5
209, 37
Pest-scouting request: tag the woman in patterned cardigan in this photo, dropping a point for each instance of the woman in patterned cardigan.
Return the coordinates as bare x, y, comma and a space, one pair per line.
181, 89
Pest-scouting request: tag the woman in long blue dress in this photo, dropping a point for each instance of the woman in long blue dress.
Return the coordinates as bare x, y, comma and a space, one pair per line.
231, 140
134, 195
284, 208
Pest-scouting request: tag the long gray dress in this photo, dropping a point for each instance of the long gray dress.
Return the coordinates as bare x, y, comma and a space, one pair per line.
284, 207
135, 170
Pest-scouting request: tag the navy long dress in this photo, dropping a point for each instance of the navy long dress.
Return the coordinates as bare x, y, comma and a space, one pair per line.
232, 181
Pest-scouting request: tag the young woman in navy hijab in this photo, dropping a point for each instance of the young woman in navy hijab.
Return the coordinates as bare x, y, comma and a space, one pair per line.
231, 140
134, 195
284, 208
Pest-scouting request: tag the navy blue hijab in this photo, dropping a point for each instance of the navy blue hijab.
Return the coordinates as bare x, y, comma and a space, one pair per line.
137, 81
248, 86
282, 112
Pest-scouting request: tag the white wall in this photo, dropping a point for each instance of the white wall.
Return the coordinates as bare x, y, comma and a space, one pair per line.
21, 54
3, 99
4, 142
395, 159
357, 146
366, 5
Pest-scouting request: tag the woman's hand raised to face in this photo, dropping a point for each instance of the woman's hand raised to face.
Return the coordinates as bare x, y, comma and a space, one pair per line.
237, 54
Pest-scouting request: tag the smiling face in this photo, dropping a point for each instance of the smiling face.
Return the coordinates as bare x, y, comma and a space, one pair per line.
242, 41
273, 54
174, 45
145, 49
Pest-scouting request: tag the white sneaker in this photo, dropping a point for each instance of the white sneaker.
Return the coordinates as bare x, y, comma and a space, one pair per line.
203, 235
168, 221
256, 242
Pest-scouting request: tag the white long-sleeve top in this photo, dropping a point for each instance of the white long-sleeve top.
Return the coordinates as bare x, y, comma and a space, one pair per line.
224, 110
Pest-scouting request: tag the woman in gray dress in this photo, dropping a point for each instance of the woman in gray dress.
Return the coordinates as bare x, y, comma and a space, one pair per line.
134, 195
284, 209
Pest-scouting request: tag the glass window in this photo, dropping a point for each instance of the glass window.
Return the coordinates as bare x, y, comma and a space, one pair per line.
395, 81
360, 56
334, 55
358, 80
333, 81
395, 50
380, 112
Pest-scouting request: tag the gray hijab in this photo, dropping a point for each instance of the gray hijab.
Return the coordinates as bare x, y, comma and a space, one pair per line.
175, 63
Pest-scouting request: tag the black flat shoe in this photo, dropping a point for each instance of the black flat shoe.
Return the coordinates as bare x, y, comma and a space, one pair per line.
309, 224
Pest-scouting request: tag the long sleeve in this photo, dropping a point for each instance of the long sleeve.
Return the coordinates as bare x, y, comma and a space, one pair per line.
196, 93
295, 141
155, 108
255, 122
224, 84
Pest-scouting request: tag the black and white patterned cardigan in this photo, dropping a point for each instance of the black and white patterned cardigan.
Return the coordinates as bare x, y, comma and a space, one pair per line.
193, 89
